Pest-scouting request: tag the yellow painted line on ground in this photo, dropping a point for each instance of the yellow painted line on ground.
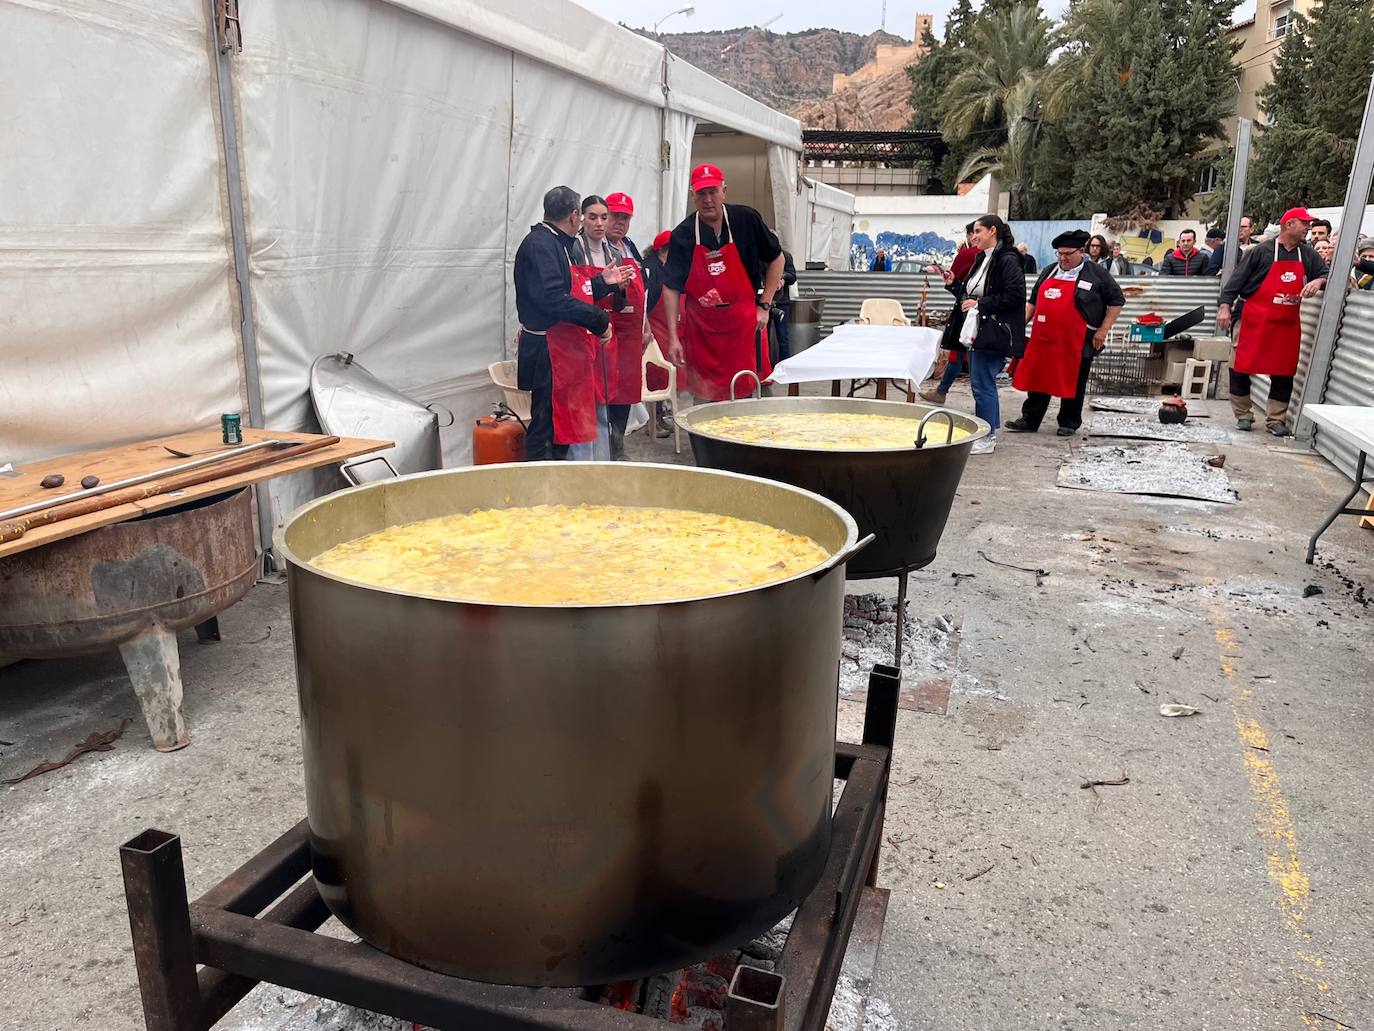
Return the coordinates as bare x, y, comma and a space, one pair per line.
1274, 820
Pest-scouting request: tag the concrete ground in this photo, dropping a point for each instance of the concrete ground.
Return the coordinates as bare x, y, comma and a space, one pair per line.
1225, 886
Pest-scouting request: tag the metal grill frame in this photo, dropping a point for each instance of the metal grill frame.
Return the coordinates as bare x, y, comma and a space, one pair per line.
239, 945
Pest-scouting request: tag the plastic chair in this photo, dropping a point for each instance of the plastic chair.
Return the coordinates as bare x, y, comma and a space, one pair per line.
883, 311
653, 357
517, 400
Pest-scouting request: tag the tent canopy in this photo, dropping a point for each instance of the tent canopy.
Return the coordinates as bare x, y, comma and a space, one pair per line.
393, 154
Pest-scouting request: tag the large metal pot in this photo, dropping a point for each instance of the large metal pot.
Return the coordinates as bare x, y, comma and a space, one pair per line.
565, 795
902, 495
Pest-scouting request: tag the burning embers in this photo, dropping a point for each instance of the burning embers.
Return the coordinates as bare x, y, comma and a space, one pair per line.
695, 998
870, 635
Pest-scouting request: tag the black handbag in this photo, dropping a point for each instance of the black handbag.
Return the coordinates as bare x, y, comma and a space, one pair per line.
949, 336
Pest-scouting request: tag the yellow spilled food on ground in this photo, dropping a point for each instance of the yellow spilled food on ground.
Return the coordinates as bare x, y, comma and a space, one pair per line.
828, 431
574, 555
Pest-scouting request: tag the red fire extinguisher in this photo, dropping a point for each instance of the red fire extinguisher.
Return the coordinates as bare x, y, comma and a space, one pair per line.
498, 437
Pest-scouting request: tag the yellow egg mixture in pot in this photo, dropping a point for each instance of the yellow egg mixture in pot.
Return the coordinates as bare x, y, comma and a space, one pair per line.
828, 431
574, 555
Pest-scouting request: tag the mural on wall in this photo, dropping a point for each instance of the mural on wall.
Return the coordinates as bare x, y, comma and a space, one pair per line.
933, 239
924, 246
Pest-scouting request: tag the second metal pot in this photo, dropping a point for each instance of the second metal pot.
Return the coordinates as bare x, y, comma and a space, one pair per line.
902, 495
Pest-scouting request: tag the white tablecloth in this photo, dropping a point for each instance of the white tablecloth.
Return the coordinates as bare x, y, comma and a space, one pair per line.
855, 351
1353, 422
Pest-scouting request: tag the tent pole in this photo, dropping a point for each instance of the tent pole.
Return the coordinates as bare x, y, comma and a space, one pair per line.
1239, 171
223, 47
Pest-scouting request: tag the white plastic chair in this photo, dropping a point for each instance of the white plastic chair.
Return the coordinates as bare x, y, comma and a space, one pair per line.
653, 357
517, 400
883, 311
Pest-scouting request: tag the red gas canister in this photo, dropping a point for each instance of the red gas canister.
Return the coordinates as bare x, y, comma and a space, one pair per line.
498, 437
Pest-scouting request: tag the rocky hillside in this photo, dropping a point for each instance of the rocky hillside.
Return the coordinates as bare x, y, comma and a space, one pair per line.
884, 103
780, 69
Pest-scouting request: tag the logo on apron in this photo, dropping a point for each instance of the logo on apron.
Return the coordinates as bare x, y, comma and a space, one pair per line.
715, 263
1289, 277
587, 288
1053, 293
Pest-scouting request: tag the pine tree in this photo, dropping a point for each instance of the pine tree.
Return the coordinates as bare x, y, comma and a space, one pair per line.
1145, 85
1313, 106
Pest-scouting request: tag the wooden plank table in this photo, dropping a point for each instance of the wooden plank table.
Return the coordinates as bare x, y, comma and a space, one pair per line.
127, 460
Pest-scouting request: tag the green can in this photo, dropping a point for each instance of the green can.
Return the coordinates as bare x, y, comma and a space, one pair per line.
231, 428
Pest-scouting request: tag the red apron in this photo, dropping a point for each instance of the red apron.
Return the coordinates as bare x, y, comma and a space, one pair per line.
626, 376
1271, 322
572, 358
721, 317
603, 361
1055, 348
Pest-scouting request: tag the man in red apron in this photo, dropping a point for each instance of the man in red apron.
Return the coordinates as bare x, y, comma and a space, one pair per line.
1071, 310
723, 271
1271, 280
559, 327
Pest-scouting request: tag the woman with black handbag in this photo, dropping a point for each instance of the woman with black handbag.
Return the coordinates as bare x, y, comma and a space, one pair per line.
993, 302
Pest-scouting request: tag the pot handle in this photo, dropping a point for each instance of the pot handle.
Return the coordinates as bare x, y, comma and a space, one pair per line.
758, 384
844, 555
352, 477
921, 429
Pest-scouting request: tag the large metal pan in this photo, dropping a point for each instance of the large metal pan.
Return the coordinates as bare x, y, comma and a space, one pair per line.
565, 795
902, 495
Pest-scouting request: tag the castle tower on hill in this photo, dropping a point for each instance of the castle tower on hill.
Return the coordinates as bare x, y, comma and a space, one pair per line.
888, 58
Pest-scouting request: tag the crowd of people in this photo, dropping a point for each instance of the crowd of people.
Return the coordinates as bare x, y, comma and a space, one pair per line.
709, 293
1070, 311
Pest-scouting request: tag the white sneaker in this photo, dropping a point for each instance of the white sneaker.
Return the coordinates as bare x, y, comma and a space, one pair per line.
984, 445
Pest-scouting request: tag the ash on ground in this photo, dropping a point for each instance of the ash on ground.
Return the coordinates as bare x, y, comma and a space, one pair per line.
870, 637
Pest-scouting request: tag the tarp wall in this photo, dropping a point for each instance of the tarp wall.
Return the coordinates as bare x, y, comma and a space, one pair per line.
393, 155
116, 293
371, 229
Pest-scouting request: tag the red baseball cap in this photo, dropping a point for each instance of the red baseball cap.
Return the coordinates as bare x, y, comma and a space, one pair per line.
620, 203
706, 176
1301, 214
661, 240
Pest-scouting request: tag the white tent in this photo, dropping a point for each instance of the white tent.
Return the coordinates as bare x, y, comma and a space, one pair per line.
387, 156
823, 225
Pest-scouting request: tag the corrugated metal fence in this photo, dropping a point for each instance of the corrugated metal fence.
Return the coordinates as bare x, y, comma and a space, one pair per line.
845, 292
1352, 365
1352, 373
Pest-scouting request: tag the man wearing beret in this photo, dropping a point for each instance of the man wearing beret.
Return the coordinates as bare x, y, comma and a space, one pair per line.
1271, 282
1073, 307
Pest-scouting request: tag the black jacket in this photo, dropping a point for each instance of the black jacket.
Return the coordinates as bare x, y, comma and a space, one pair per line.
1194, 265
1091, 303
543, 298
1254, 266
543, 284
1002, 308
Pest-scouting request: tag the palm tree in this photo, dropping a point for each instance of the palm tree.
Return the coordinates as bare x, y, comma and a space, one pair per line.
1010, 162
1000, 92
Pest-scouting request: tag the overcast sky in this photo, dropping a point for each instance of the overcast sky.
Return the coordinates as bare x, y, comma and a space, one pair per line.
862, 16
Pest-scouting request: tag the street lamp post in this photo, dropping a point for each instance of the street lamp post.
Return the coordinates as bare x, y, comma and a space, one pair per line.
689, 10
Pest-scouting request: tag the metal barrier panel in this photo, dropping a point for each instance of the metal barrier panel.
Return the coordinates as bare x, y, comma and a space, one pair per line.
845, 293
1352, 374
